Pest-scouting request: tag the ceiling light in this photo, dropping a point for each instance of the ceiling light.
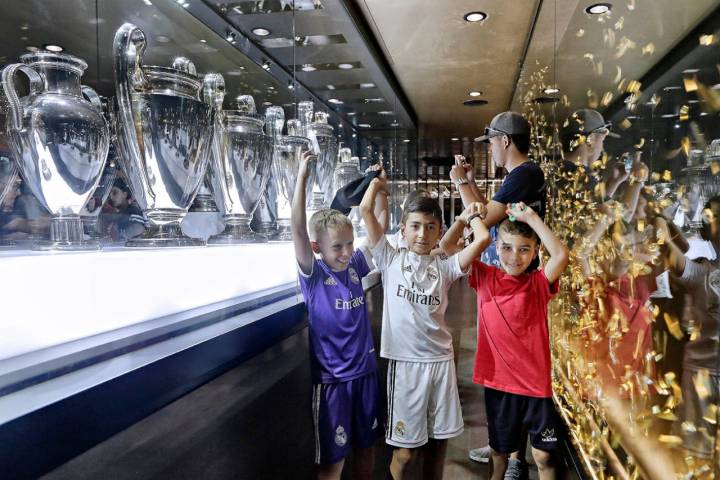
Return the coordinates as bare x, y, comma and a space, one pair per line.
185, 5
32, 48
475, 93
308, 68
395, 124
475, 102
147, 2
367, 85
385, 112
669, 115
455, 139
551, 90
598, 8
406, 140
266, 65
364, 125
267, 104
331, 87
335, 101
261, 32
25, 26
53, 48
350, 114
345, 66
230, 37
474, 17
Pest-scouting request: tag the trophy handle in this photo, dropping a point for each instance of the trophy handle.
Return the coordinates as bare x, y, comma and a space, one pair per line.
92, 97
213, 92
128, 48
8, 81
184, 65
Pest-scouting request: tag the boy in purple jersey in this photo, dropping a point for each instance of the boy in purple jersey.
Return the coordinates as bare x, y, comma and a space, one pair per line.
343, 365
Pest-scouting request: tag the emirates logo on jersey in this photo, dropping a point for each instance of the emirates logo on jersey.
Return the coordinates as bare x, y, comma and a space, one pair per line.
330, 281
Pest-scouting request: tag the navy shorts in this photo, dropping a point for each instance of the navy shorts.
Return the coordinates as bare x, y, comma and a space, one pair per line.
346, 415
509, 415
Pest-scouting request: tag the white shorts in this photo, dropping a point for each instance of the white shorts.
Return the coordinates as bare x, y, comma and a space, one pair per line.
423, 402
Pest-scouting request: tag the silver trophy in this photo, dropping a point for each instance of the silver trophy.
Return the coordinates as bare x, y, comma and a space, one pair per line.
287, 154
164, 134
8, 166
325, 146
59, 139
242, 159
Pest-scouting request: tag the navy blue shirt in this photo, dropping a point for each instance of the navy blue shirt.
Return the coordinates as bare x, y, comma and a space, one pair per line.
526, 183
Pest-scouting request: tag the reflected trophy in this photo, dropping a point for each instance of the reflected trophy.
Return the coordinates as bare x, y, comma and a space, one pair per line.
8, 166
287, 153
164, 134
242, 159
59, 139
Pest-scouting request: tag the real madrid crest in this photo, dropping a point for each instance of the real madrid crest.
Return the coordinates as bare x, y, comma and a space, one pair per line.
340, 436
400, 428
353, 276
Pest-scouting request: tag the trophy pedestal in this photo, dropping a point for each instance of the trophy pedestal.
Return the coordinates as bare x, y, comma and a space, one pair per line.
317, 202
66, 233
237, 231
164, 235
284, 231
267, 229
204, 202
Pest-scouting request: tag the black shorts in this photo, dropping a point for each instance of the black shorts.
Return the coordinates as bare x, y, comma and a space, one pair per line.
508, 413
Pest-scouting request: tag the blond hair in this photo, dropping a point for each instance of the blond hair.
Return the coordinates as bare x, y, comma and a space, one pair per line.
325, 219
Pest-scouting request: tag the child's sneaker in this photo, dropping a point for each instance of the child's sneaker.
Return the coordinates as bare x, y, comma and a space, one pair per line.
514, 469
481, 455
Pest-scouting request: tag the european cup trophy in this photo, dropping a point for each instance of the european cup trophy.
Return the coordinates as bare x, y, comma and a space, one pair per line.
239, 172
165, 130
59, 139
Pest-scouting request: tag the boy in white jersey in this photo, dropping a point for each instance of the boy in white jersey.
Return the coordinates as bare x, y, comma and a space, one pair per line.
423, 400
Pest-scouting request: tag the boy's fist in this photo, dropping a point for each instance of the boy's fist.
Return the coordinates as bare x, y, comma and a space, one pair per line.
473, 209
307, 157
519, 211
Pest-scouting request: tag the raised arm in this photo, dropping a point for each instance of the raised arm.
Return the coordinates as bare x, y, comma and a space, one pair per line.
463, 176
638, 177
671, 246
481, 236
374, 227
559, 255
303, 249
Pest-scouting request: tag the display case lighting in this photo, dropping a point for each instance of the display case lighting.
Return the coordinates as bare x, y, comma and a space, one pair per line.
551, 90
598, 8
335, 101
308, 68
475, 93
261, 31
230, 37
407, 140
32, 48
345, 66
53, 48
474, 17
364, 125
147, 2
454, 139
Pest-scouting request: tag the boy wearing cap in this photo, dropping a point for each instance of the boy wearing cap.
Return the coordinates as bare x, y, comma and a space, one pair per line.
512, 360
346, 413
423, 400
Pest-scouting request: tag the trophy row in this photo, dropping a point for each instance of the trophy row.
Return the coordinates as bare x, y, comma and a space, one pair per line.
171, 137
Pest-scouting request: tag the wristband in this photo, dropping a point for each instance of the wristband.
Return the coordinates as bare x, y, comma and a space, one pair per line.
473, 217
460, 181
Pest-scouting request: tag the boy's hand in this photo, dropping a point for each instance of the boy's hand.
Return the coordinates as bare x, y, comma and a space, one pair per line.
472, 209
307, 157
520, 212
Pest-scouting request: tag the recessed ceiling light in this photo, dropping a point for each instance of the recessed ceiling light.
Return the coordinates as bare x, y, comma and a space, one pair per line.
147, 2
364, 125
25, 26
230, 37
53, 48
266, 65
598, 8
24, 39
367, 85
475, 93
475, 102
395, 124
669, 115
266, 104
345, 66
475, 16
350, 114
455, 139
261, 32
202, 40
335, 101
551, 90
406, 140
32, 48
331, 87
308, 68
385, 112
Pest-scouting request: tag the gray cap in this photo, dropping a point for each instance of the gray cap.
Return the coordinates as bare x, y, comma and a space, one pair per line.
585, 121
505, 123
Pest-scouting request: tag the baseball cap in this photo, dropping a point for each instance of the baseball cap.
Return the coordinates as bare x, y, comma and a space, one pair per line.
351, 194
585, 121
505, 123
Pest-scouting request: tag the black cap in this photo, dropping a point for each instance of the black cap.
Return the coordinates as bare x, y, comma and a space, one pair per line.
505, 123
352, 193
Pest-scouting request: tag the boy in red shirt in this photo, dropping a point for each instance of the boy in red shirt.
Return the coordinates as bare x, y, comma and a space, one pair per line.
513, 349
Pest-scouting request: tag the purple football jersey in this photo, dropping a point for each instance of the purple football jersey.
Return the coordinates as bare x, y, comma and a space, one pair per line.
340, 338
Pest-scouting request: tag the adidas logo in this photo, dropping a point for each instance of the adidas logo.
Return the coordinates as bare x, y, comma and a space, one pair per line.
407, 268
330, 281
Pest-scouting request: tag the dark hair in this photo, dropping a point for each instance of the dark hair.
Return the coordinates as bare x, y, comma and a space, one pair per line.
521, 142
424, 205
122, 185
420, 192
518, 228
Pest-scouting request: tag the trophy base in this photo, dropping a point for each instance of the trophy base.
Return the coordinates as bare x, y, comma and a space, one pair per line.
66, 234
203, 203
233, 236
164, 236
284, 232
266, 229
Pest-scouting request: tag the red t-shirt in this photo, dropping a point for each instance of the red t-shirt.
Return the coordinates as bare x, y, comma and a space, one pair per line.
513, 347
